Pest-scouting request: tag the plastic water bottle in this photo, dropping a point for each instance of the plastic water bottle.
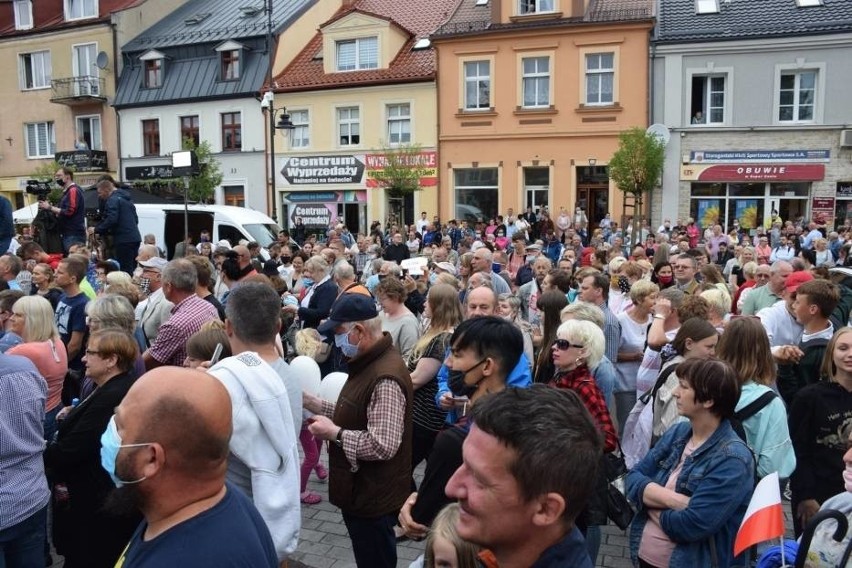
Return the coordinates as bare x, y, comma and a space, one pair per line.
75, 402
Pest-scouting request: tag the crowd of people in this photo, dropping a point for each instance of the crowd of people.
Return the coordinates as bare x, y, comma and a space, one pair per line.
149, 409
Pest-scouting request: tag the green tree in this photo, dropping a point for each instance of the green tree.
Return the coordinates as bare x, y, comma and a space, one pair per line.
45, 173
401, 174
636, 167
202, 186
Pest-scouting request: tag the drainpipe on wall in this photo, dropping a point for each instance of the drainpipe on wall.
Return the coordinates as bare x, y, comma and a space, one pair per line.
115, 54
653, 53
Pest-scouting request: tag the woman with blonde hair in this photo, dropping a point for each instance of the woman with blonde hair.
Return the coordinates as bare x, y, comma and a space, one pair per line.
824, 257
33, 320
444, 311
444, 547
509, 307
465, 270
42, 284
818, 415
718, 304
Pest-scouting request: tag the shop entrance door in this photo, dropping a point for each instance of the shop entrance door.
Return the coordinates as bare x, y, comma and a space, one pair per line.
352, 218
593, 192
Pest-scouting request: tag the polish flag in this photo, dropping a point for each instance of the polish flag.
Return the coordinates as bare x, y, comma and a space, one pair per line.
764, 518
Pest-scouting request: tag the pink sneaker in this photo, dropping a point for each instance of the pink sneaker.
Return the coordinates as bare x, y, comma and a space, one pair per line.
322, 473
310, 498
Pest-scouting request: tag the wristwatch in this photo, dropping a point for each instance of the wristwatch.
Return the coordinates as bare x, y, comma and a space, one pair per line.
339, 439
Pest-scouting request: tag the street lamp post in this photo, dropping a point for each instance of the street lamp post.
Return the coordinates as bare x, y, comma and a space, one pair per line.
285, 124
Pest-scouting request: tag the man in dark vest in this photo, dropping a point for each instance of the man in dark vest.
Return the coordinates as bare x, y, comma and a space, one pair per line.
369, 429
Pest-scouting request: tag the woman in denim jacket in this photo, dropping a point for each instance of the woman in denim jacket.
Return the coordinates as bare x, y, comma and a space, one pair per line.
692, 489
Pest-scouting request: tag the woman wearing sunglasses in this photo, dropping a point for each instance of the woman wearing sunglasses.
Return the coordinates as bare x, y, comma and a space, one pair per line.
578, 348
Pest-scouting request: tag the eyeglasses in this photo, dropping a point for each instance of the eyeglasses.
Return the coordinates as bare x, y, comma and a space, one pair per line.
565, 345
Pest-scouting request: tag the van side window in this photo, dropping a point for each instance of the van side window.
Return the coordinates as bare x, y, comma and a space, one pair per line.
230, 234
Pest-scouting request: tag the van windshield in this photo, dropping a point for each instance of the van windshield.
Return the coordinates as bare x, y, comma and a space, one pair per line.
263, 234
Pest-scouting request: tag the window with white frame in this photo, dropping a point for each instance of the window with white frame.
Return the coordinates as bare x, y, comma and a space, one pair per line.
535, 6
300, 136
477, 193
797, 96
399, 123
536, 81
360, 53
349, 126
600, 78
708, 99
41, 139
153, 73
477, 85
23, 14
706, 6
79, 9
35, 70
89, 129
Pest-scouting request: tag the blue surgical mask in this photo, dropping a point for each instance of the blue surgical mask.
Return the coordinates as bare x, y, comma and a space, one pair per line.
110, 446
433, 277
342, 341
308, 281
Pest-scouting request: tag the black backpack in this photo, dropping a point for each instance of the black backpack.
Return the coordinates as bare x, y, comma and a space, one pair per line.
753, 408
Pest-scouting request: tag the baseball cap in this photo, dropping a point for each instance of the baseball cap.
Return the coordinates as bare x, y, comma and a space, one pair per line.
155, 262
446, 267
348, 308
796, 279
533, 248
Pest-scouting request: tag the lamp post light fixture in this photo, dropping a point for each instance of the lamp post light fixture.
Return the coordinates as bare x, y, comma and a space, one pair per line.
284, 124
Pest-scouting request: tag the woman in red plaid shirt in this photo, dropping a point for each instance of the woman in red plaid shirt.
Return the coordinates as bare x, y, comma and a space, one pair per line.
578, 348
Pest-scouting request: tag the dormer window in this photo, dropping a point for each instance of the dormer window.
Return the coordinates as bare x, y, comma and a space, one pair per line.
80, 9
808, 3
23, 14
535, 6
706, 6
230, 56
355, 54
152, 65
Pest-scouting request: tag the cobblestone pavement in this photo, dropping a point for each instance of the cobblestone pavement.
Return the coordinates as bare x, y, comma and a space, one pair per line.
324, 542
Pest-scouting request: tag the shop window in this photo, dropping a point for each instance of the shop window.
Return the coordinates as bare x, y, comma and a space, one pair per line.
708, 99
476, 193
746, 189
708, 189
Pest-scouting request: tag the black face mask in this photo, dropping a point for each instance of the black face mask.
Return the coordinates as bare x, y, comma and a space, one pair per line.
60, 182
455, 380
286, 259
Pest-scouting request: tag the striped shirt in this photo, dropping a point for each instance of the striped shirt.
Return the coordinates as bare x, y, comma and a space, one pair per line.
23, 391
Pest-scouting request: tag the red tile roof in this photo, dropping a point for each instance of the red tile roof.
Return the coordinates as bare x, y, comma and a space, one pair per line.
305, 73
50, 15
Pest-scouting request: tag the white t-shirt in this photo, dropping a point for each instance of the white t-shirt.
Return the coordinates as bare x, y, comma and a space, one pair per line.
649, 368
780, 325
633, 337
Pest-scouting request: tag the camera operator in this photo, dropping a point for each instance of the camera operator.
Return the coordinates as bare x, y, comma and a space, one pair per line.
71, 212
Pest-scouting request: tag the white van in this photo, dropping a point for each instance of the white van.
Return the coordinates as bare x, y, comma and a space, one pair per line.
166, 223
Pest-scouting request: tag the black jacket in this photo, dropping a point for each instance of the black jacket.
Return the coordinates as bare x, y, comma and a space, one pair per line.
120, 220
82, 531
319, 306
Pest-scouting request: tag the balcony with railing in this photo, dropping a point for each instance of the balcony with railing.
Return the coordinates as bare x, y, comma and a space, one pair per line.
85, 89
